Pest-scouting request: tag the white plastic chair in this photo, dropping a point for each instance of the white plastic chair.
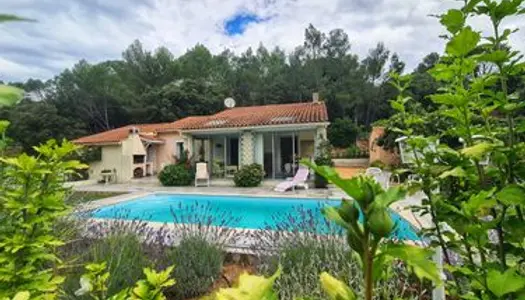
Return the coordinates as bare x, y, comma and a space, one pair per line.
373, 171
202, 174
299, 180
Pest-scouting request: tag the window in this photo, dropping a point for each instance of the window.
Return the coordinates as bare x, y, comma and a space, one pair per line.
179, 149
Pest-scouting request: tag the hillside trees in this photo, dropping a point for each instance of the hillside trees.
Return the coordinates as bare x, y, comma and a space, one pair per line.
155, 86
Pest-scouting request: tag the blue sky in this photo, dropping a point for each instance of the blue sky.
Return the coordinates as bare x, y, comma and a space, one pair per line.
237, 24
98, 30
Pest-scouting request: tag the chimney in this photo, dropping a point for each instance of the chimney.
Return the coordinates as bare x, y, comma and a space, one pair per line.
133, 130
315, 97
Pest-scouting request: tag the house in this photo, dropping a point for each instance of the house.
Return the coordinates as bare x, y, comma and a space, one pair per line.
275, 136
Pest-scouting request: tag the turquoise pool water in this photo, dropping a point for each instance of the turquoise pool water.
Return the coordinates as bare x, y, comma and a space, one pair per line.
238, 212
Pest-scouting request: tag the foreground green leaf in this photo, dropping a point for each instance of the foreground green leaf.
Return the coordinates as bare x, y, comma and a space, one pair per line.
463, 43
449, 99
455, 172
13, 18
502, 284
512, 195
251, 287
416, 257
10, 95
350, 186
454, 20
331, 213
21, 296
390, 196
477, 151
336, 289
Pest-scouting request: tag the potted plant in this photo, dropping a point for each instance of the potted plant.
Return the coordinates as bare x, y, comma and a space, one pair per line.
323, 158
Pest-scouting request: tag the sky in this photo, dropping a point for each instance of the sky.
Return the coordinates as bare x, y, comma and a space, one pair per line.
98, 30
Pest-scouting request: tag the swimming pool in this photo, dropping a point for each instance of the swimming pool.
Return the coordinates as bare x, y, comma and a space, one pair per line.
237, 212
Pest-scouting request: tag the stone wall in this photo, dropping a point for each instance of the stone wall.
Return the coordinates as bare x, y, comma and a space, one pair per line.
247, 148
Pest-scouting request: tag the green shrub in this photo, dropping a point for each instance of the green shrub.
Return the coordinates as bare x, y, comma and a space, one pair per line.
175, 175
32, 201
355, 152
249, 176
342, 133
323, 158
198, 265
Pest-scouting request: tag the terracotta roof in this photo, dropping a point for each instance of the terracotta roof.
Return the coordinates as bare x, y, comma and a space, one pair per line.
119, 134
190, 122
277, 114
250, 116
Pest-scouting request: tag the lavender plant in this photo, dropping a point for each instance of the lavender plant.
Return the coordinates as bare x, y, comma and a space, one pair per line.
207, 222
199, 265
122, 224
304, 244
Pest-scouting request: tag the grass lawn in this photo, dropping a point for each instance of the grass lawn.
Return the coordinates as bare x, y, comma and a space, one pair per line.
83, 197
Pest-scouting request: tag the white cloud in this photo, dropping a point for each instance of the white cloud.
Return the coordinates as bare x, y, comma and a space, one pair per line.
96, 30
10, 69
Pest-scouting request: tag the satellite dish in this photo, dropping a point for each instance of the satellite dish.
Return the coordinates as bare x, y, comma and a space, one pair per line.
229, 102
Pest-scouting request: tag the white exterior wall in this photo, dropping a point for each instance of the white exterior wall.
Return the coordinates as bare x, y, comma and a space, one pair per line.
112, 158
130, 146
118, 157
165, 153
306, 144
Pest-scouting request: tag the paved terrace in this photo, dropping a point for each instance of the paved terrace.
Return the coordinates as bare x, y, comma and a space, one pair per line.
218, 187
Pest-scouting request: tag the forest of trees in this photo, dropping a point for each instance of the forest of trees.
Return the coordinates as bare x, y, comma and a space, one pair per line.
146, 87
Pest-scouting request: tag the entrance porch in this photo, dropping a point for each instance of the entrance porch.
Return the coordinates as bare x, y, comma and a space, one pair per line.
279, 151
